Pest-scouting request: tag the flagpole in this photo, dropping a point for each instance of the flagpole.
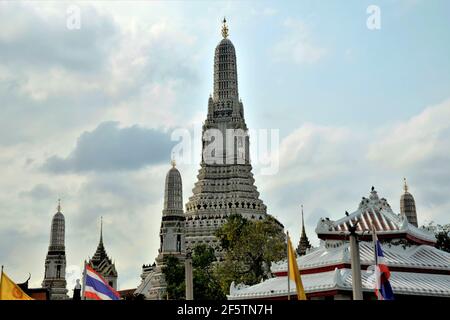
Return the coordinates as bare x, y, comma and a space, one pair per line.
355, 263
84, 282
376, 272
288, 268
374, 245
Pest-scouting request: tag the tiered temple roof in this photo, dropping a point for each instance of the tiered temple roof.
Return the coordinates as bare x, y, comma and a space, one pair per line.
417, 267
332, 254
338, 280
101, 262
303, 245
377, 212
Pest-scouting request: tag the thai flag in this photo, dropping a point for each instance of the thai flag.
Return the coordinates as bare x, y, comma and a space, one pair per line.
383, 289
96, 287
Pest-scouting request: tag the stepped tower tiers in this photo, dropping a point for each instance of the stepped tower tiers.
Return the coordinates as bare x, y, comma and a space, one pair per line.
303, 245
225, 181
55, 261
101, 263
172, 232
408, 205
172, 238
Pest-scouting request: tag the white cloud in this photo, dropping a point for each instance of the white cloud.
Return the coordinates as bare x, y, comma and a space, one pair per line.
46, 105
78, 77
298, 45
421, 138
328, 169
264, 12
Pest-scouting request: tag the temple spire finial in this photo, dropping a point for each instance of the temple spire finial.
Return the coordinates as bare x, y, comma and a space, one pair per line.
59, 205
303, 226
173, 162
101, 229
224, 28
405, 185
303, 244
303, 220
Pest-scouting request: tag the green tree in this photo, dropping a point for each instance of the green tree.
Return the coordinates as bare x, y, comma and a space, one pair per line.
249, 249
442, 233
173, 271
206, 283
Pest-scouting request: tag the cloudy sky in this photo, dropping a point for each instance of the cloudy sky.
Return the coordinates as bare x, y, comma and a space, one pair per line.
86, 115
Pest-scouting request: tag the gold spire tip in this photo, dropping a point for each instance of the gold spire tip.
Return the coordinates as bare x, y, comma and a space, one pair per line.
405, 185
172, 161
224, 28
59, 205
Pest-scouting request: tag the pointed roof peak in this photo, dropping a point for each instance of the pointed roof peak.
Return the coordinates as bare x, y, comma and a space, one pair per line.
58, 208
405, 185
100, 261
100, 254
373, 194
303, 224
303, 244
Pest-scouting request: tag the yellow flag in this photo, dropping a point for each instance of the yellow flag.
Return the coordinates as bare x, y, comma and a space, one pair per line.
11, 291
294, 273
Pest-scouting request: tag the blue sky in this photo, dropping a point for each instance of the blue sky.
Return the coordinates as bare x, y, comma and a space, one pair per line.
86, 114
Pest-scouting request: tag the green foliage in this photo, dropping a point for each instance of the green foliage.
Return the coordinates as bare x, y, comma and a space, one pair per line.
203, 256
442, 233
174, 274
249, 247
206, 284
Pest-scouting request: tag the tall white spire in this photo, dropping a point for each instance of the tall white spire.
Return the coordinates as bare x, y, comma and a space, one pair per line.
57, 234
173, 192
225, 182
55, 261
172, 232
408, 205
225, 69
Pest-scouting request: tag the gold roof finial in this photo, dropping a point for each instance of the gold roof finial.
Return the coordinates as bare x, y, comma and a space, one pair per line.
59, 205
224, 28
172, 162
405, 186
